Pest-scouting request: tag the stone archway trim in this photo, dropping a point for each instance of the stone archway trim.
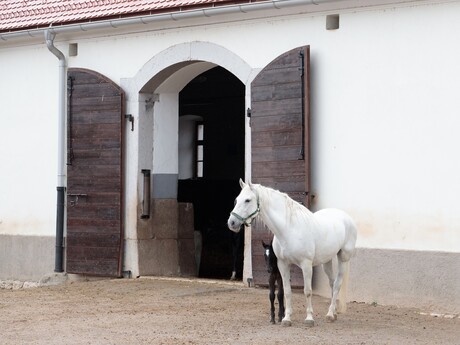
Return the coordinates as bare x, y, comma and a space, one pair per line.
175, 57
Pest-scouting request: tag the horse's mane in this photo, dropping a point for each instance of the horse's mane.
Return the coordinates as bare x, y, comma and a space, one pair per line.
293, 208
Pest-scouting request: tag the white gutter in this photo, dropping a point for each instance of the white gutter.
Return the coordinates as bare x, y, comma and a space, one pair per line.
61, 171
172, 16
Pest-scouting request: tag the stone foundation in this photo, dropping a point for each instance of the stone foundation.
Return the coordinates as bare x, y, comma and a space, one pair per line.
421, 279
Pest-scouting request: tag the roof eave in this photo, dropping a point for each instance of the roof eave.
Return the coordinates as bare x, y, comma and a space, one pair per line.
159, 17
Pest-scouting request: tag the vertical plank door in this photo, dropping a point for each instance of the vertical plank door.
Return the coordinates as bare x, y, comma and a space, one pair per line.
280, 112
94, 241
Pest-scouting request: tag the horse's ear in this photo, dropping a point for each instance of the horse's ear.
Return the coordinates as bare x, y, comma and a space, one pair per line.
242, 184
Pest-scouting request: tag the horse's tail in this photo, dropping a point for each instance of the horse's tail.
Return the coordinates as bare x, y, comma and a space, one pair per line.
342, 305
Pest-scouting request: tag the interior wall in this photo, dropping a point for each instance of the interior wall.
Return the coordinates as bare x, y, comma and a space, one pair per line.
187, 128
165, 145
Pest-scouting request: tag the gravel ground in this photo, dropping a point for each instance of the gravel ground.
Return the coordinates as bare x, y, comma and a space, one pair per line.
195, 311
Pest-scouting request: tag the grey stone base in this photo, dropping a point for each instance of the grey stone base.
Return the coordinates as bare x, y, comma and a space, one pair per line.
420, 279
166, 242
26, 258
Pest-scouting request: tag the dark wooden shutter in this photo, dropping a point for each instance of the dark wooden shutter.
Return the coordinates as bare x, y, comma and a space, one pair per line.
94, 174
280, 141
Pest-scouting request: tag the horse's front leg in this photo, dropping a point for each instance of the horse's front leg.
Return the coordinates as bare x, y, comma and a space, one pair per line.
284, 269
307, 270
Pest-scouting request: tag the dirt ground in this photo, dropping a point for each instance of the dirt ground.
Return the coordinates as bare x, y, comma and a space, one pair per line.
184, 311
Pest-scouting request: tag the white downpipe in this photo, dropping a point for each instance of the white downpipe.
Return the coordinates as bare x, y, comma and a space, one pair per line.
61, 170
49, 38
172, 16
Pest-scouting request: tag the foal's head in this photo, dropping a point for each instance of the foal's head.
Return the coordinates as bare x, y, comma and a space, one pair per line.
270, 258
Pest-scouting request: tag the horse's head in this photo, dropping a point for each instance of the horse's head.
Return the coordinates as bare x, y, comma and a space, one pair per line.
270, 258
246, 207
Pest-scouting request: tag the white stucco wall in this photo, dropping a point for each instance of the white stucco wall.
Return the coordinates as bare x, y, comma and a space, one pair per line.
28, 141
384, 114
385, 118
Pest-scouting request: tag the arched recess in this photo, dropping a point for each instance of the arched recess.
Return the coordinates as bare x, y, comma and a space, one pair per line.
153, 100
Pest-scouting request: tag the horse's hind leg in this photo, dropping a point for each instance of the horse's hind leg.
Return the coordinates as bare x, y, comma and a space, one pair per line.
327, 267
332, 312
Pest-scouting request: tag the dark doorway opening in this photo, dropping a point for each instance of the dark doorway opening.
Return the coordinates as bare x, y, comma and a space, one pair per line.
216, 100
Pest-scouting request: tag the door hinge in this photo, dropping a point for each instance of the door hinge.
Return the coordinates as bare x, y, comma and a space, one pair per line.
302, 114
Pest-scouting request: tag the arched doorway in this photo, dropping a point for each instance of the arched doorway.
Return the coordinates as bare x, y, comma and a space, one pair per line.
157, 245
212, 127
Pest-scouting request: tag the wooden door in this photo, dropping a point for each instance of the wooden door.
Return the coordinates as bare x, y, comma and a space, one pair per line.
280, 142
94, 241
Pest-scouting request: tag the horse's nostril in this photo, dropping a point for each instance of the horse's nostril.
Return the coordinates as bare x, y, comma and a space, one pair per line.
232, 222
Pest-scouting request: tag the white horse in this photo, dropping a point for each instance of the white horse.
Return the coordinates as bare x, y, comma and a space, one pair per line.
302, 238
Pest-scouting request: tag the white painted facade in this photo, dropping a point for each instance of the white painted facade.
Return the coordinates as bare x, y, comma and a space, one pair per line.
384, 114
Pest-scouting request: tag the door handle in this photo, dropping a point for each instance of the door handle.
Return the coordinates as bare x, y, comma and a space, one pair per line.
76, 196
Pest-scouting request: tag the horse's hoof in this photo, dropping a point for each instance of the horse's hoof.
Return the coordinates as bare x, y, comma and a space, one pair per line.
309, 323
331, 318
286, 323
272, 322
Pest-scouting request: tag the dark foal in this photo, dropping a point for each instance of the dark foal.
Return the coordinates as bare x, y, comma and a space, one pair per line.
275, 278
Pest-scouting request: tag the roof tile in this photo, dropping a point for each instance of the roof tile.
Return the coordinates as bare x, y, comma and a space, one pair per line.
22, 14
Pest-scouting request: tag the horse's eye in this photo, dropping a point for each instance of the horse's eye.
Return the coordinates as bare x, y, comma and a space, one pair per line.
247, 200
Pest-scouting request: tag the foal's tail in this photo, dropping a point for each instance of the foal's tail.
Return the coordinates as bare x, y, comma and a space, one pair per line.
342, 305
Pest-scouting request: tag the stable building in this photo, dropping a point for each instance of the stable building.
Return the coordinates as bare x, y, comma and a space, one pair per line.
128, 124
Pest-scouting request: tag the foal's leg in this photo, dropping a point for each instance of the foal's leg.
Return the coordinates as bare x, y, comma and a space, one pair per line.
307, 270
332, 312
271, 285
286, 276
280, 298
